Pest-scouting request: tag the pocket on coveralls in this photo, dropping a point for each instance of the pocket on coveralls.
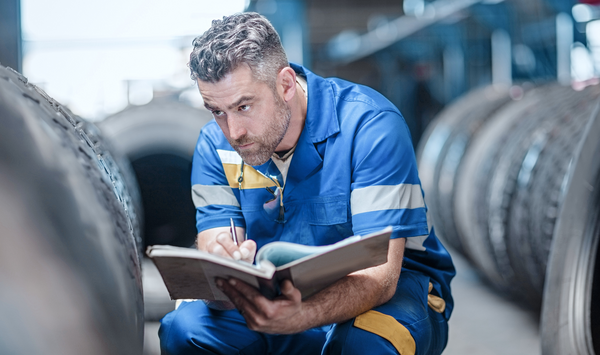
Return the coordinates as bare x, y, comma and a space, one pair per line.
329, 218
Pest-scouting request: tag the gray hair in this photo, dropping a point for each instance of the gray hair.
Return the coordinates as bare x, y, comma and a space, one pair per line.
241, 38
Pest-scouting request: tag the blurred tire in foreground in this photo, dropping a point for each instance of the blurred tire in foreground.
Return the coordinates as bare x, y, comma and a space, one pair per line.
69, 266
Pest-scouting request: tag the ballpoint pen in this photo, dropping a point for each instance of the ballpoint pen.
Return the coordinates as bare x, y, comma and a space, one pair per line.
233, 233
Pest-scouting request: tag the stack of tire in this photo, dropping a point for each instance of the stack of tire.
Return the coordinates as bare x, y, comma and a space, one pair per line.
70, 258
511, 177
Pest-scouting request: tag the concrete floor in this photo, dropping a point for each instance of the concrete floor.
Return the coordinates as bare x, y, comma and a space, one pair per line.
151, 342
483, 323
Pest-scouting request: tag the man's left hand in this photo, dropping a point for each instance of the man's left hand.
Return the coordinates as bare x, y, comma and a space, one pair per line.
282, 315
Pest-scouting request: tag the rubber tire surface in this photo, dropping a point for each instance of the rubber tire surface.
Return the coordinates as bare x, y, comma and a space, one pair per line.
478, 166
569, 323
513, 173
441, 150
70, 270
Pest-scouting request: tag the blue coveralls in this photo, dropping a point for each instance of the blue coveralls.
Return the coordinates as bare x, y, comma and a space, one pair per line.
353, 172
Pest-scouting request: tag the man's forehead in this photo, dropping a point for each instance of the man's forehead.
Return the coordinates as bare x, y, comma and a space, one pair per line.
228, 102
238, 85
241, 72
215, 96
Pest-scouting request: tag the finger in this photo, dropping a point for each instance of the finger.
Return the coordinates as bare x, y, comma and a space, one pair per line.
290, 292
248, 250
226, 241
216, 248
255, 306
237, 292
249, 293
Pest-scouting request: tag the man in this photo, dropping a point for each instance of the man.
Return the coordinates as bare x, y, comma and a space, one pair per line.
295, 157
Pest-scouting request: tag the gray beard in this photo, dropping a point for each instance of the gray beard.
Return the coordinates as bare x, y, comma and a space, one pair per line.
268, 143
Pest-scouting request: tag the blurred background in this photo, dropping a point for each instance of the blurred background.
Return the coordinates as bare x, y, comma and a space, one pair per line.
501, 98
97, 58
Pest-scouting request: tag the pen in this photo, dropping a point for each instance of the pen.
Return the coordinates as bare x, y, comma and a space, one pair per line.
233, 233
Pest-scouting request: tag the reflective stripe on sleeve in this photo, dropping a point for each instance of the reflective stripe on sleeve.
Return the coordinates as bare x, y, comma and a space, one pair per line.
416, 243
205, 195
386, 197
229, 157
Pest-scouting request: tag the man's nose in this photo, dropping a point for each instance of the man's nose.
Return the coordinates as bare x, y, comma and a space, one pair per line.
236, 128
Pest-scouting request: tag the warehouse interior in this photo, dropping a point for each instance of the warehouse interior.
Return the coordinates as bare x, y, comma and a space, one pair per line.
501, 98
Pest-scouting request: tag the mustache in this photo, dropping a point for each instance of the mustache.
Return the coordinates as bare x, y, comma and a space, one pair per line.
240, 141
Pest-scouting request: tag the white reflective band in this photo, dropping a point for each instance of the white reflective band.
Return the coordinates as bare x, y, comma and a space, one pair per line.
429, 224
205, 195
416, 243
386, 197
229, 157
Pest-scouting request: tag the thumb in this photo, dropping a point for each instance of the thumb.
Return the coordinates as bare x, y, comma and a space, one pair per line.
289, 291
248, 250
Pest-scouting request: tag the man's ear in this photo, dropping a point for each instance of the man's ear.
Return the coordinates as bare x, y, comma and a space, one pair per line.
286, 83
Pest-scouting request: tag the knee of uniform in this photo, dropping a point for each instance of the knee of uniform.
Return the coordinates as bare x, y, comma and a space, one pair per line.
170, 334
345, 338
175, 333
432, 335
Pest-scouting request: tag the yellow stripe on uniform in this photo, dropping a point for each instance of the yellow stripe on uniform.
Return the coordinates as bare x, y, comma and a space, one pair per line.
388, 328
232, 162
252, 178
435, 302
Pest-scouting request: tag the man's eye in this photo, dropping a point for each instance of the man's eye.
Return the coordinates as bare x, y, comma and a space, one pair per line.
244, 108
218, 113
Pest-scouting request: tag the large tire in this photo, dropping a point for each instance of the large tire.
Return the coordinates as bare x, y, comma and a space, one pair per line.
69, 266
570, 322
478, 166
539, 174
493, 170
443, 145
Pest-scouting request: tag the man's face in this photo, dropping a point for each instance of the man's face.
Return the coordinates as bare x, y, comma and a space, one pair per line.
253, 118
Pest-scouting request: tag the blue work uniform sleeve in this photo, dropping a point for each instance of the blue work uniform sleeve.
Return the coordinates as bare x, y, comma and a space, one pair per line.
215, 199
385, 185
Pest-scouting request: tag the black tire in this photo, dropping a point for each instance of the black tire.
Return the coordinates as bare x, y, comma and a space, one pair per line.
570, 322
441, 150
70, 270
539, 173
471, 202
513, 175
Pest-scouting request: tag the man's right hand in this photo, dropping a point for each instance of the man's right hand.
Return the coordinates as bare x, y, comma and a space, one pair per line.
219, 241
